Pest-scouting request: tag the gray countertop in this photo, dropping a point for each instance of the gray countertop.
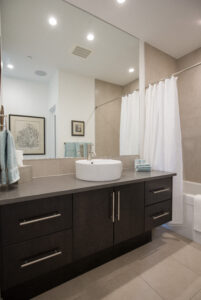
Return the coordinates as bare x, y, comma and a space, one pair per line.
67, 184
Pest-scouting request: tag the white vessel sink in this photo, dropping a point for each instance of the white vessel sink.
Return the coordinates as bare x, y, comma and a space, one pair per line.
98, 169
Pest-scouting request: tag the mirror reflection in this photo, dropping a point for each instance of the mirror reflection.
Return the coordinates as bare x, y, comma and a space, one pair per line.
70, 81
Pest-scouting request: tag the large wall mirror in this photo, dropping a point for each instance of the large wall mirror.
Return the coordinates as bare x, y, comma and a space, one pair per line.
69, 80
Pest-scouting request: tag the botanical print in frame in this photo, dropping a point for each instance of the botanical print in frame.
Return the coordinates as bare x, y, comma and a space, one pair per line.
77, 128
28, 133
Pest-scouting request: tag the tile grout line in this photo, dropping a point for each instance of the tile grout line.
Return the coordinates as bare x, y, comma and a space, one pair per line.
195, 294
152, 288
195, 272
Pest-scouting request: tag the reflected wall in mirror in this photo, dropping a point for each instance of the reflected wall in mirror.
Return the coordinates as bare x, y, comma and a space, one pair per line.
64, 64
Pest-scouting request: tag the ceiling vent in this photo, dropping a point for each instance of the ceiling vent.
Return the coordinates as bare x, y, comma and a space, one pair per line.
81, 52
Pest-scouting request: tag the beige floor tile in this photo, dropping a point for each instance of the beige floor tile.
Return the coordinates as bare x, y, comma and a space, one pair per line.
190, 257
158, 270
121, 289
169, 278
190, 291
197, 296
154, 253
106, 282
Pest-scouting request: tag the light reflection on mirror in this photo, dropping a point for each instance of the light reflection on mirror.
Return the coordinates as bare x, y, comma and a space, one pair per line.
65, 65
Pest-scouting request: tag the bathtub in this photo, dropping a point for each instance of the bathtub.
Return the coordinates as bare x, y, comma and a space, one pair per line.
186, 229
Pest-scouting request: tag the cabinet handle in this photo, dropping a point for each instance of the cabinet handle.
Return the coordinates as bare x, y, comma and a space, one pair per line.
162, 215
113, 207
119, 205
35, 261
161, 191
31, 221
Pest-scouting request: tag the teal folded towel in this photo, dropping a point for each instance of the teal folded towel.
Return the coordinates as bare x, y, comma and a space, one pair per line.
76, 149
3, 140
143, 168
12, 167
8, 161
69, 150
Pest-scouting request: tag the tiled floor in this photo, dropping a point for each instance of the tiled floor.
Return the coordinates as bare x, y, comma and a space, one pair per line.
167, 268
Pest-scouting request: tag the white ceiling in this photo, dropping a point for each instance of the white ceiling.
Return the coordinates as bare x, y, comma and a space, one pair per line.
174, 26
26, 32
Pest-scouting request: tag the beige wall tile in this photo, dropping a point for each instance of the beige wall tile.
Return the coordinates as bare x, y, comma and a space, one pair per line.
59, 166
107, 118
189, 86
131, 87
25, 174
158, 65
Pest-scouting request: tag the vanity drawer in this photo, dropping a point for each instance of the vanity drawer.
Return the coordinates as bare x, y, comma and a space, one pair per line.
31, 259
31, 219
158, 214
158, 190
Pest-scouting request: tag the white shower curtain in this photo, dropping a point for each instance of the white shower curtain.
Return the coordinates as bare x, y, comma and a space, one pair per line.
129, 124
162, 142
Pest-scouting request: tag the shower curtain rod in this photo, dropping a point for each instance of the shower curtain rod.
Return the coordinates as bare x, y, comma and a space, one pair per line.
115, 99
176, 73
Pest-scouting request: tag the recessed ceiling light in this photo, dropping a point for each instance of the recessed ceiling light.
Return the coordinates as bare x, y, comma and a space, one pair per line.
121, 1
10, 66
90, 36
52, 21
131, 70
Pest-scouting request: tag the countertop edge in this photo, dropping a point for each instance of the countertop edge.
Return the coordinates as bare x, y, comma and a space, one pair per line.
21, 199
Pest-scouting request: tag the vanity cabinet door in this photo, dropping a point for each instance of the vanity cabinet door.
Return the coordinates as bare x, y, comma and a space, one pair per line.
129, 212
92, 224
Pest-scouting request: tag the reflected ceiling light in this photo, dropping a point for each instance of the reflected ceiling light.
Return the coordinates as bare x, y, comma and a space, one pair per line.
52, 21
90, 36
10, 66
131, 70
121, 1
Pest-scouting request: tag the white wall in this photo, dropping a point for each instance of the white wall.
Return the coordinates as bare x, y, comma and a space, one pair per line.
26, 97
72, 95
76, 102
53, 94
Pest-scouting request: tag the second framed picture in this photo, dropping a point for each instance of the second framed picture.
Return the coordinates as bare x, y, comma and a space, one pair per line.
77, 128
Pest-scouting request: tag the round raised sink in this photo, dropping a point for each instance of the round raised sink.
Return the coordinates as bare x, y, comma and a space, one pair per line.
98, 169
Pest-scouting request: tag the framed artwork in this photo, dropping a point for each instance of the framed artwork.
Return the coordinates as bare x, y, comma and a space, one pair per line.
77, 128
28, 133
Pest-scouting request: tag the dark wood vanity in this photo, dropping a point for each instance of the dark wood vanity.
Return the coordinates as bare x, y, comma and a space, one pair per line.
47, 240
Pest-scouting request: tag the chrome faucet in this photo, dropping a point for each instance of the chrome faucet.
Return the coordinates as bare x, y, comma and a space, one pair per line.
90, 154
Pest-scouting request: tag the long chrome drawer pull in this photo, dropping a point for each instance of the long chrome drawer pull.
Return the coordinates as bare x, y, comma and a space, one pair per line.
162, 215
113, 208
161, 191
119, 205
31, 221
26, 264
